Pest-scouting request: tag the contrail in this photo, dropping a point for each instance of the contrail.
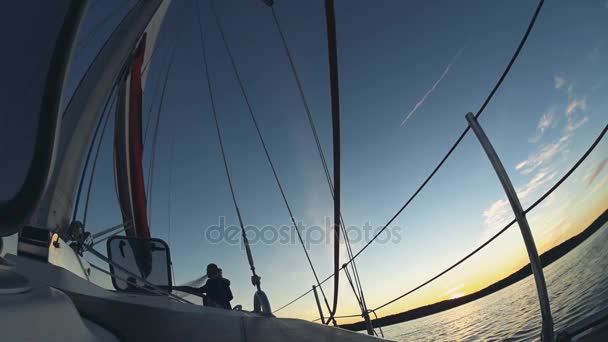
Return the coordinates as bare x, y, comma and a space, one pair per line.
428, 93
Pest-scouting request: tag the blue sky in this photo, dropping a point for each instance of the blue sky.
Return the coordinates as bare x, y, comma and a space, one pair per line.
444, 56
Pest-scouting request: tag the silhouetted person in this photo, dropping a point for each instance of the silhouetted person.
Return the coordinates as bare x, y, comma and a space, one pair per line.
216, 291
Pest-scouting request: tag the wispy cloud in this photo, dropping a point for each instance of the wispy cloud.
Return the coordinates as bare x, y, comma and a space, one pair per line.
576, 105
428, 93
547, 120
570, 89
533, 185
543, 156
559, 81
499, 213
596, 171
574, 125
542, 165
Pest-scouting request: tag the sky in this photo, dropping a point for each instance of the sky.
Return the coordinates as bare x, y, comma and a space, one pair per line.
409, 72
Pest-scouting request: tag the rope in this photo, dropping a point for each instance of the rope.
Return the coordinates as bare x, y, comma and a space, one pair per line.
457, 142
268, 158
359, 293
255, 278
330, 17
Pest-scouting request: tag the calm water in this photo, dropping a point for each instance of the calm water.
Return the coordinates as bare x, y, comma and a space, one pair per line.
577, 284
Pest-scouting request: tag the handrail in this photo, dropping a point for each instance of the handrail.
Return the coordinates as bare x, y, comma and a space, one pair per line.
524, 227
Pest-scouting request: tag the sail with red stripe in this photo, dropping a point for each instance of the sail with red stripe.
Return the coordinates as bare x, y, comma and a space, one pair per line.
128, 137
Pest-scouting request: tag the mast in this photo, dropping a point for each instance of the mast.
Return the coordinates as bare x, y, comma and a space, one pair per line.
82, 113
128, 142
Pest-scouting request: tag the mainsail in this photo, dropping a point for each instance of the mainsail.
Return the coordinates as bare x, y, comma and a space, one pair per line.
128, 145
54, 212
128, 142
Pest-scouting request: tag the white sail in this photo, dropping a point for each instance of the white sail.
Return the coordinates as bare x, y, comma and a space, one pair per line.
128, 144
82, 114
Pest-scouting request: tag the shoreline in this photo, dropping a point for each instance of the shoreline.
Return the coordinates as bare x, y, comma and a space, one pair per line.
547, 259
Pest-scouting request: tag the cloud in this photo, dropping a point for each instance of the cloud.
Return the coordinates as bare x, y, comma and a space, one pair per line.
575, 105
499, 213
573, 126
543, 156
428, 93
535, 183
559, 82
547, 120
591, 177
570, 89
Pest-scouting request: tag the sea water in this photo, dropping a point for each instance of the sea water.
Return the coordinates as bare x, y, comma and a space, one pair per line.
577, 285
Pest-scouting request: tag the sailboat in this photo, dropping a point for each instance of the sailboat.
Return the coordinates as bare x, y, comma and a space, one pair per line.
46, 281
46, 289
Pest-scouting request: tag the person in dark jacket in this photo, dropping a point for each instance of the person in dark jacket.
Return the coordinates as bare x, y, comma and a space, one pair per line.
216, 291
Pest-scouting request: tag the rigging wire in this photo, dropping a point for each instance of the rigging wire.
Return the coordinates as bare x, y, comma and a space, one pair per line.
170, 200
104, 112
510, 224
155, 91
81, 42
487, 242
75, 213
107, 109
359, 292
457, 142
462, 135
157, 87
115, 31
264, 147
88, 37
352, 285
155, 134
255, 279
